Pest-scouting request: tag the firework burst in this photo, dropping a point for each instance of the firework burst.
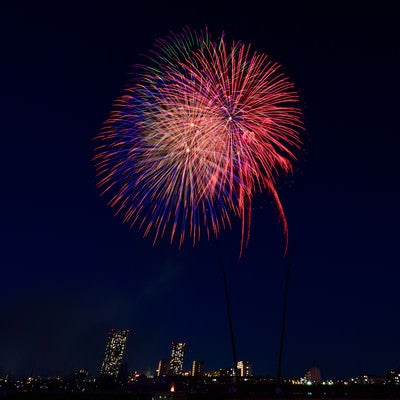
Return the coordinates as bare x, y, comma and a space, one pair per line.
200, 128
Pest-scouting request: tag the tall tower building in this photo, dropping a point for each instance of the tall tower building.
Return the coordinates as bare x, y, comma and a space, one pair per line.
198, 368
177, 356
163, 367
245, 368
313, 375
115, 349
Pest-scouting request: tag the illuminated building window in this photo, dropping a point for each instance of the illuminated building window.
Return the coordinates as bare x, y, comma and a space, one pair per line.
114, 353
177, 356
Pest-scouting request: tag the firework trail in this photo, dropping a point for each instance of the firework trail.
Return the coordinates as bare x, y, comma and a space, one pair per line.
199, 129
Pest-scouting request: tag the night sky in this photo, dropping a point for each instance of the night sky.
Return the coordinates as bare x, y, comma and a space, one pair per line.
71, 271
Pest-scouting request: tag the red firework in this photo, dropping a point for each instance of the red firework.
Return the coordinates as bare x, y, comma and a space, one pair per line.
202, 128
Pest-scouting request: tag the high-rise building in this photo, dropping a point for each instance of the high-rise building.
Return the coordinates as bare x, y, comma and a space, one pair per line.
198, 368
115, 349
313, 375
177, 356
163, 367
245, 368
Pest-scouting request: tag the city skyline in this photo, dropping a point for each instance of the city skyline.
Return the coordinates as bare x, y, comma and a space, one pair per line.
71, 269
115, 357
208, 385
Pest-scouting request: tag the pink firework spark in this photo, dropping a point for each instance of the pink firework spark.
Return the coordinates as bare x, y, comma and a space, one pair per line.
202, 128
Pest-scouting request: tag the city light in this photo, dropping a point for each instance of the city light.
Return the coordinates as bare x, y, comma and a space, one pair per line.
114, 353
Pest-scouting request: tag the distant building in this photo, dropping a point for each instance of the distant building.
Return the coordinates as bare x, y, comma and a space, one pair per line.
82, 374
163, 367
313, 375
198, 368
394, 377
115, 349
245, 368
177, 357
212, 374
224, 372
368, 380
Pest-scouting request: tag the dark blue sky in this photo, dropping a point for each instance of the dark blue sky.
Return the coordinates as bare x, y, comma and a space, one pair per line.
71, 271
